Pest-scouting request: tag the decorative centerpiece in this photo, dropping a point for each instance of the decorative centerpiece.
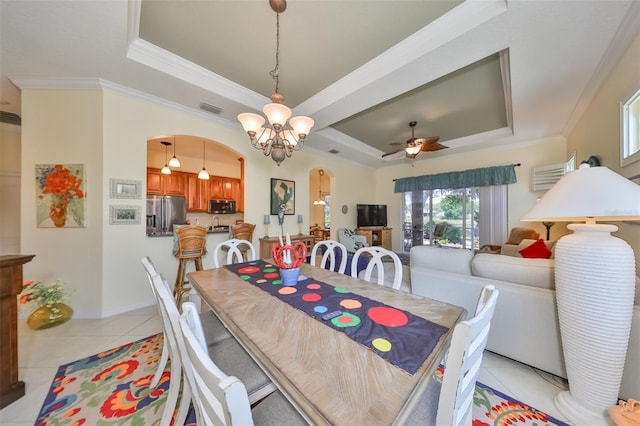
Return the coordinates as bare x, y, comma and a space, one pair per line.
51, 309
289, 258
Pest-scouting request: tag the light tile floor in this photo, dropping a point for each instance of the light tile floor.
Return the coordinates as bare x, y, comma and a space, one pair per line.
40, 353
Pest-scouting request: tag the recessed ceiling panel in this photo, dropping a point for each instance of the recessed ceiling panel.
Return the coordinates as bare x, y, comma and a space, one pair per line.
320, 41
466, 102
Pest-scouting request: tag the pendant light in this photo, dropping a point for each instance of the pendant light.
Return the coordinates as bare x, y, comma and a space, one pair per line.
204, 175
279, 135
174, 162
320, 201
165, 170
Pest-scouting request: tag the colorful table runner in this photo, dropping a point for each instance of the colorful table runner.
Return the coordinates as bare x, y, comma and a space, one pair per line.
403, 339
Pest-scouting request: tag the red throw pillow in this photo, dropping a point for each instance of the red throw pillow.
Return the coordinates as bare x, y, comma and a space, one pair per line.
537, 250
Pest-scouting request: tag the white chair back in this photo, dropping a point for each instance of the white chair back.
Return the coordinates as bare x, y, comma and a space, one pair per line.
463, 362
376, 254
218, 398
170, 317
329, 255
234, 249
151, 271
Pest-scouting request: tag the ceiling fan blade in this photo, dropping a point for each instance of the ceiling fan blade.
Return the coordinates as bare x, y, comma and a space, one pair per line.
428, 140
392, 152
398, 143
435, 146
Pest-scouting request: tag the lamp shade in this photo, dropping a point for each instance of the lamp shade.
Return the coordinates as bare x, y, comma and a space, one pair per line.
301, 125
277, 114
251, 122
587, 194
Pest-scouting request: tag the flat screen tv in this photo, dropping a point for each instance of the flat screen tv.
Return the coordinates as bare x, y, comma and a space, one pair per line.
372, 215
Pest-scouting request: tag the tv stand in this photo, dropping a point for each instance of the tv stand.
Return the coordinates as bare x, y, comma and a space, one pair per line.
376, 236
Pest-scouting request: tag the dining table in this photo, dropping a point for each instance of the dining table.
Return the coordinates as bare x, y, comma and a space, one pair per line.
329, 377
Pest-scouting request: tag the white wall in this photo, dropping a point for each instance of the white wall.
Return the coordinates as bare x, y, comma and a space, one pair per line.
9, 189
521, 197
598, 130
108, 133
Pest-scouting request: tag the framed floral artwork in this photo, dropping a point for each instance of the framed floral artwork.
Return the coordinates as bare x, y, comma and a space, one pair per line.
61, 198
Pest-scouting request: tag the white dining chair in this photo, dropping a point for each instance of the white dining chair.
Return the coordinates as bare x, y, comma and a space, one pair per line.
226, 352
463, 361
376, 255
219, 398
331, 249
236, 252
151, 270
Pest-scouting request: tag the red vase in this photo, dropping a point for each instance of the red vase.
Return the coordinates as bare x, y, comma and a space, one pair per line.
58, 214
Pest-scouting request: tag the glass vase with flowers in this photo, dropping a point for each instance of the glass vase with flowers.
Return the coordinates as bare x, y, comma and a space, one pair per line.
51, 309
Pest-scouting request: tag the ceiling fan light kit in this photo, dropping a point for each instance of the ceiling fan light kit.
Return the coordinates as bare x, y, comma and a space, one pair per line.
282, 135
414, 146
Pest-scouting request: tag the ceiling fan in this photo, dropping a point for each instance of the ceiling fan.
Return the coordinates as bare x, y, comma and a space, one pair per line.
415, 146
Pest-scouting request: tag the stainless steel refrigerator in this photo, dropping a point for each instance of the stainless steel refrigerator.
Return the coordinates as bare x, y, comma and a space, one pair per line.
164, 211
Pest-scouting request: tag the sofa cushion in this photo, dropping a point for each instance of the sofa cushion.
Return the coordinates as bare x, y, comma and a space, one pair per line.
445, 259
537, 250
514, 250
532, 272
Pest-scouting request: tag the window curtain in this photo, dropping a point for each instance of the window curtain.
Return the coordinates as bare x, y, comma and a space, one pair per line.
486, 176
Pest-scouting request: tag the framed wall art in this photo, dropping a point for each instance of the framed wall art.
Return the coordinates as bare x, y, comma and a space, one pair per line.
124, 215
61, 198
283, 196
123, 188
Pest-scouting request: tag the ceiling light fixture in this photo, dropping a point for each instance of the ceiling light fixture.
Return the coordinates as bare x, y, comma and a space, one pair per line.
320, 201
165, 170
281, 135
204, 175
174, 162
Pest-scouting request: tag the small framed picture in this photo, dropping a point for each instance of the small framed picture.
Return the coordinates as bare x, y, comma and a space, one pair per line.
122, 188
124, 215
283, 196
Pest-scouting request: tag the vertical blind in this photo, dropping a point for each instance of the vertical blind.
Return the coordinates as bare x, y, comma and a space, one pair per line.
486, 176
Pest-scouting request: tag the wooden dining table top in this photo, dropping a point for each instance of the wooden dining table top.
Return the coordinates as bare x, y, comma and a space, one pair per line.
328, 377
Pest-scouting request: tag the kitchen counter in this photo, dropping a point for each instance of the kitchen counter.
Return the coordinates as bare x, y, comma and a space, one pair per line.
216, 230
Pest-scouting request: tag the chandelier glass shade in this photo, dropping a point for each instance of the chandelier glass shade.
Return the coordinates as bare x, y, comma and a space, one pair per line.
279, 134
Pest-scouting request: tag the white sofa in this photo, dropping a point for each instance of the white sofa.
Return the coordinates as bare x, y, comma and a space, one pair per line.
525, 323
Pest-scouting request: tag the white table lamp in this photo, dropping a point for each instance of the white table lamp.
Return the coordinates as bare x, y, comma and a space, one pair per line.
595, 280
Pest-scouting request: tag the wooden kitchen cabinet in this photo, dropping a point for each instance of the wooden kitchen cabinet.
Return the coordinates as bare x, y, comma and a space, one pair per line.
198, 193
377, 237
222, 188
159, 184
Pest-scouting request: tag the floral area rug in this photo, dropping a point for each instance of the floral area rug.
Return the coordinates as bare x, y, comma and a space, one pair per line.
112, 388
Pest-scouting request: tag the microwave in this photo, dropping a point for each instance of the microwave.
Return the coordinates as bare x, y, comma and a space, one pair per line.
222, 206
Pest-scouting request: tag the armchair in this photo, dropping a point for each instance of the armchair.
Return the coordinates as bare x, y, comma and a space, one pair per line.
351, 240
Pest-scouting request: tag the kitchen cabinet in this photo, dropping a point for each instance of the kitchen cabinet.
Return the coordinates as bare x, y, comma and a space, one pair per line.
159, 184
197, 193
377, 237
224, 188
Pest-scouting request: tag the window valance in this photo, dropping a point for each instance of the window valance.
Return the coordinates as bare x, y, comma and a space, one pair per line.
486, 176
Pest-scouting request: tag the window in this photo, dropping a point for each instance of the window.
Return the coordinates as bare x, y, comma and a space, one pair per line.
451, 217
630, 143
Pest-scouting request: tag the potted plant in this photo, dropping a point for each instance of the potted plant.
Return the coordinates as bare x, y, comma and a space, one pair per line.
51, 309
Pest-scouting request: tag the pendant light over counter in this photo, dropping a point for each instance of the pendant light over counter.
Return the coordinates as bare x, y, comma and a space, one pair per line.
165, 170
204, 175
174, 162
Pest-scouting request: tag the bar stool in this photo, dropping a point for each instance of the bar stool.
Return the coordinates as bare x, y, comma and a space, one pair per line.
243, 231
190, 246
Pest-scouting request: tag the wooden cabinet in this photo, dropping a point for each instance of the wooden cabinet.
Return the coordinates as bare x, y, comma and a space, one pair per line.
224, 188
159, 184
267, 243
377, 237
197, 193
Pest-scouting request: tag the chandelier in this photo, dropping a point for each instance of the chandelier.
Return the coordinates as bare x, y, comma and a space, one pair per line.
278, 135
